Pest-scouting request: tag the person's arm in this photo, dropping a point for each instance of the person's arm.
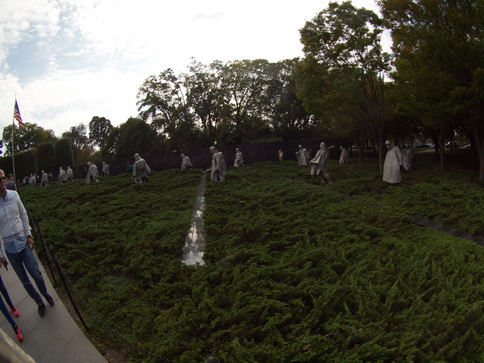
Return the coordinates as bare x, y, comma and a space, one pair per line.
24, 218
2, 257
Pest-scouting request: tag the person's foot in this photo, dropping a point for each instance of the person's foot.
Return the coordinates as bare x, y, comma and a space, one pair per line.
41, 310
18, 333
15, 312
50, 300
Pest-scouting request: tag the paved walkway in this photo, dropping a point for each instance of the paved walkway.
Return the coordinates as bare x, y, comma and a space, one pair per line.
53, 338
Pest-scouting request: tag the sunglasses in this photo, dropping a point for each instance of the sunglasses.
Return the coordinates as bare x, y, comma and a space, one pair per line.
3, 177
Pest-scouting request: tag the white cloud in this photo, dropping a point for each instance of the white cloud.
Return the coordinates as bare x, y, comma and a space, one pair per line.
71, 60
46, 102
23, 20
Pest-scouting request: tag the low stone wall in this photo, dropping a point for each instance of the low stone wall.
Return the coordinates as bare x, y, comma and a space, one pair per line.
201, 158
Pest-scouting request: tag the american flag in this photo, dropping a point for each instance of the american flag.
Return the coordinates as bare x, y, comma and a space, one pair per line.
16, 115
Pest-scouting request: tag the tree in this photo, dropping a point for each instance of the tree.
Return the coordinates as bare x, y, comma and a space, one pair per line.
64, 156
208, 97
245, 81
284, 110
343, 46
162, 100
78, 136
25, 138
134, 136
228, 103
440, 56
99, 129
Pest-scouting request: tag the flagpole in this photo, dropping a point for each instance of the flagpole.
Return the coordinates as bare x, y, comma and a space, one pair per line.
13, 145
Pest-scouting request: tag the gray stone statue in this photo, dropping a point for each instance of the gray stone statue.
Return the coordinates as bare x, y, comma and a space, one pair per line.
141, 170
186, 163
62, 176
69, 174
391, 167
105, 169
318, 164
343, 157
218, 165
44, 179
407, 157
239, 158
92, 173
302, 156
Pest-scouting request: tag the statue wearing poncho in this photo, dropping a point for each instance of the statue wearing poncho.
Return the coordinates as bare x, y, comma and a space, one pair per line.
239, 158
44, 179
343, 157
302, 156
218, 165
391, 167
318, 164
186, 163
70, 174
141, 170
407, 157
62, 176
92, 173
105, 169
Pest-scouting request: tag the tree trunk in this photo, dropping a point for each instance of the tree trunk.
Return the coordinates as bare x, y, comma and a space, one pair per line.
478, 131
380, 145
481, 164
360, 150
442, 146
380, 158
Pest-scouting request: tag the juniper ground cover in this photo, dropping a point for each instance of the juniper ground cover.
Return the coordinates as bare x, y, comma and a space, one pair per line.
295, 271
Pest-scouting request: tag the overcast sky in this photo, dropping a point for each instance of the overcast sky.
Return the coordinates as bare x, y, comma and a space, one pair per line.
69, 60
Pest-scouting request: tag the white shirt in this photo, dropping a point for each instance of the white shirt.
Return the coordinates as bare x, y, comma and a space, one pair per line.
14, 223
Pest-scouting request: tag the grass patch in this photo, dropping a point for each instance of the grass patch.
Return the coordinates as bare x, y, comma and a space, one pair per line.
295, 271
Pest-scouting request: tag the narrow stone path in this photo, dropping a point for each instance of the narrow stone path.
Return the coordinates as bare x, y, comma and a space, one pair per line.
423, 221
446, 229
195, 239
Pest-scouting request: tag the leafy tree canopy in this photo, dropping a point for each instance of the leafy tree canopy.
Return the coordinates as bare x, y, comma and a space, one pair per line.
440, 54
25, 138
78, 136
134, 136
343, 49
99, 129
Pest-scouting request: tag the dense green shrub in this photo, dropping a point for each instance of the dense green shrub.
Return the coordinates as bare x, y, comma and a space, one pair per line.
6, 164
46, 157
295, 271
64, 156
25, 163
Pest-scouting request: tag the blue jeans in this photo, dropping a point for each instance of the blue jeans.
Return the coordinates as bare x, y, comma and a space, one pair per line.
5, 294
3, 308
23, 262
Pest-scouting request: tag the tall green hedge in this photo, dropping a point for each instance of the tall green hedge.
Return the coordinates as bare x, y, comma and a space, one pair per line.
6, 164
46, 159
46, 156
25, 163
63, 153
